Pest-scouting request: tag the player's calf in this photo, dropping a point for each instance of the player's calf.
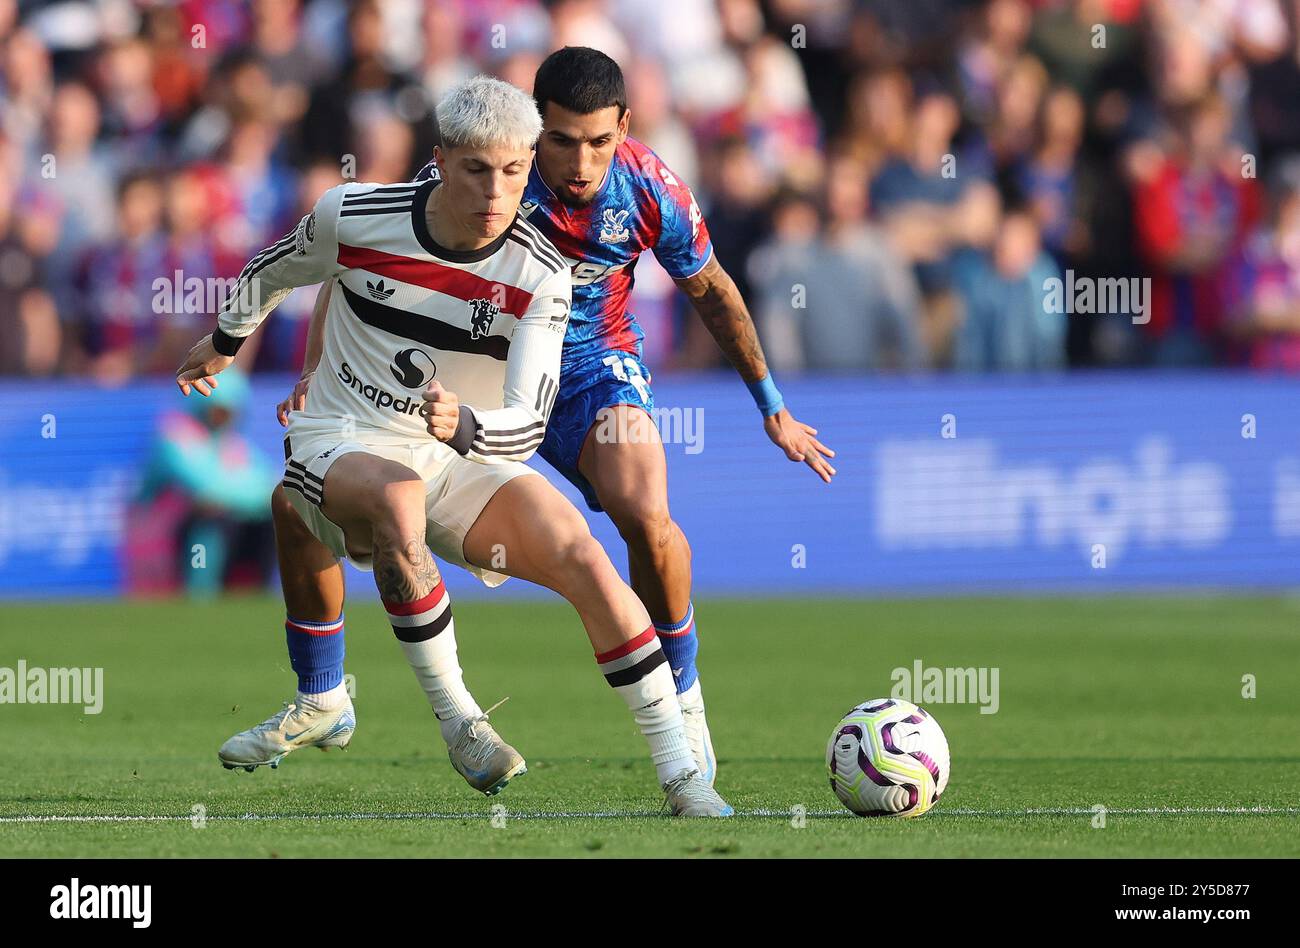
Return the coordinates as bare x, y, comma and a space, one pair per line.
310, 575
381, 505
547, 542
659, 558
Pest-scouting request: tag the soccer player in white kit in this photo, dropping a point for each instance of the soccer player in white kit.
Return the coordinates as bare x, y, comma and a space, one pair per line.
446, 320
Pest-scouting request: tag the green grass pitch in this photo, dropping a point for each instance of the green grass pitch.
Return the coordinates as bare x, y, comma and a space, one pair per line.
1131, 703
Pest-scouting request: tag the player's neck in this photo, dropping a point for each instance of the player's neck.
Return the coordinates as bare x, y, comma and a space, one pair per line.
443, 229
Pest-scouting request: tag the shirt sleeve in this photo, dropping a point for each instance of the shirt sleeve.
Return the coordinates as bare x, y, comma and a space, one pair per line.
306, 255
683, 246
514, 431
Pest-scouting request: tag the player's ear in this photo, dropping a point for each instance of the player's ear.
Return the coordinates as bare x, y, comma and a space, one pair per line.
623, 124
439, 159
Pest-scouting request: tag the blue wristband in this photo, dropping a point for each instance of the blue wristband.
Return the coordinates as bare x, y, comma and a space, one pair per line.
766, 396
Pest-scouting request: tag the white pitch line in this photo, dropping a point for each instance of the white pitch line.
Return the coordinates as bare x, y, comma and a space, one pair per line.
599, 815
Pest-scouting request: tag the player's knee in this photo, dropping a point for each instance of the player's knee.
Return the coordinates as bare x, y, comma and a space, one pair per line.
284, 515
645, 524
578, 563
587, 556
404, 548
397, 505
279, 503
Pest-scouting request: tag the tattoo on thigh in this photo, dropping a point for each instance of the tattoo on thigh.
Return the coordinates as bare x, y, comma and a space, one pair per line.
407, 574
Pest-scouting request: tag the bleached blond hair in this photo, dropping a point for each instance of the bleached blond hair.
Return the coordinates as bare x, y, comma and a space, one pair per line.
483, 112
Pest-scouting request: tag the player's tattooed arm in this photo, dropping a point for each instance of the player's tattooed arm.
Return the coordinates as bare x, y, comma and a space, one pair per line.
719, 303
722, 310
405, 572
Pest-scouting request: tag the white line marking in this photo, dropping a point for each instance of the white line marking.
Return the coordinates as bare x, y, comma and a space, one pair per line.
599, 815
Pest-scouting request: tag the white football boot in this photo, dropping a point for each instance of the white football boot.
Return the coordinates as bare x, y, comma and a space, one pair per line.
687, 794
286, 731
697, 732
480, 756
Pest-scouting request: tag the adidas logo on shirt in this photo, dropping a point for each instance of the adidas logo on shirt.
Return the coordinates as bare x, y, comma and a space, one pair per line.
378, 291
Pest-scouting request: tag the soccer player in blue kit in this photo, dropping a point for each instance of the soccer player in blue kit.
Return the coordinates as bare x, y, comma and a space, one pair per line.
602, 198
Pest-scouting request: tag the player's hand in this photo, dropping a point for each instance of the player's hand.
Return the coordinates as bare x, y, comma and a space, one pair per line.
201, 366
441, 411
799, 442
296, 401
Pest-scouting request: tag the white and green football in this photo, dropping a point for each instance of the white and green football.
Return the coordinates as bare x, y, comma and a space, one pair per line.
888, 757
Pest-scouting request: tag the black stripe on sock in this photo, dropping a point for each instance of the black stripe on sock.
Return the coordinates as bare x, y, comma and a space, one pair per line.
635, 673
422, 633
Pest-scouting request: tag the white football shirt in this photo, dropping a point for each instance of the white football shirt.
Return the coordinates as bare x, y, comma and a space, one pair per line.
488, 324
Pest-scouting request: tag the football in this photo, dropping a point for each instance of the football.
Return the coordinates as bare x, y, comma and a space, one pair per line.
888, 757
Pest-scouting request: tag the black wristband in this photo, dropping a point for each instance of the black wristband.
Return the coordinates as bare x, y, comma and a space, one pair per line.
466, 428
226, 345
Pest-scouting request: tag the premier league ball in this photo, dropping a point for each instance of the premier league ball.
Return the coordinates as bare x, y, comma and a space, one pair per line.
887, 757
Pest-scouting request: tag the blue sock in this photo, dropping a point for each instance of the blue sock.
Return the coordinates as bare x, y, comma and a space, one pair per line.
680, 647
316, 653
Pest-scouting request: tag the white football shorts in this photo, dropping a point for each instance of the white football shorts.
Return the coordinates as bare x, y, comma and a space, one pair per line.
455, 489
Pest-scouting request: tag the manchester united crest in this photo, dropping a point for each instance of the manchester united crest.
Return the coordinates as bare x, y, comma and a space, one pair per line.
481, 314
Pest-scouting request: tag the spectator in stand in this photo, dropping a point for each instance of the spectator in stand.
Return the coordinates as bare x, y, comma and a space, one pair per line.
178, 78
655, 123
926, 195
132, 111
197, 253
26, 89
773, 116
734, 193
842, 299
1193, 209
117, 328
1048, 177
989, 54
255, 186
77, 177
292, 65
1108, 119
30, 335
387, 149
364, 82
1262, 293
1005, 325
445, 62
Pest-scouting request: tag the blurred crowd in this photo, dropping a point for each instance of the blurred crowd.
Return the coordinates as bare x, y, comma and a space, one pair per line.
892, 184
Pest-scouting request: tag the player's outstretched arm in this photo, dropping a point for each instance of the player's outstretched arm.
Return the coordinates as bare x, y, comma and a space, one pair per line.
307, 254
722, 309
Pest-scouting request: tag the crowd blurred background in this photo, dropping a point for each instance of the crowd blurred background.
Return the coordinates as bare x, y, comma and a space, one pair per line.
891, 183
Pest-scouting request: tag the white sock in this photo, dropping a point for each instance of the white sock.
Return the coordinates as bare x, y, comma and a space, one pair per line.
330, 700
692, 697
427, 634
438, 671
639, 672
